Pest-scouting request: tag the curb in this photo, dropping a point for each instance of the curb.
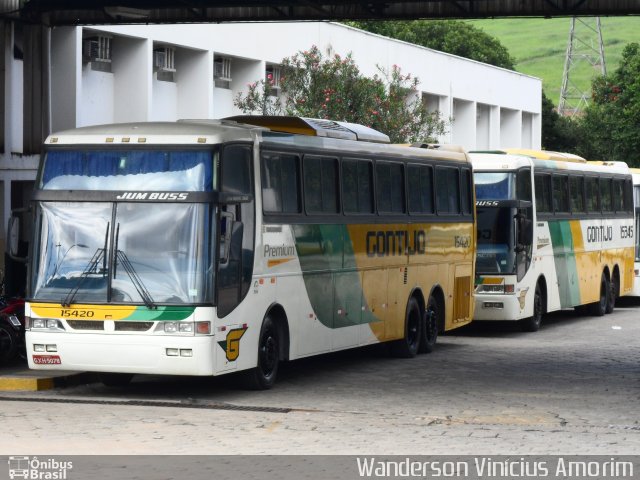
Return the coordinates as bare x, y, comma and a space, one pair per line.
25, 380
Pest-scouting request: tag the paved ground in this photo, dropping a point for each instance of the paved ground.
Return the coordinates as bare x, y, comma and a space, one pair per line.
572, 388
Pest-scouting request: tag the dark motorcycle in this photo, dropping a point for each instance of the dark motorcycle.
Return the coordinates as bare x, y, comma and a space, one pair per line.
12, 345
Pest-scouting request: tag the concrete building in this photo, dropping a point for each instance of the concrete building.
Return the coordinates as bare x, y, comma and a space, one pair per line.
93, 75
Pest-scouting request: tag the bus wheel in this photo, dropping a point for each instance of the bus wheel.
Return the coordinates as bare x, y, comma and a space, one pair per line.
407, 347
532, 324
430, 326
263, 376
613, 294
599, 308
115, 379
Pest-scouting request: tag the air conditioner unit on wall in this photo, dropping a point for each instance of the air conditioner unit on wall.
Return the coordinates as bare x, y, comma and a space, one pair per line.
164, 59
96, 49
222, 69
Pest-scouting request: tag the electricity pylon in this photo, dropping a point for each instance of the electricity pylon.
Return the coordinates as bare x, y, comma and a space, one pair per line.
585, 46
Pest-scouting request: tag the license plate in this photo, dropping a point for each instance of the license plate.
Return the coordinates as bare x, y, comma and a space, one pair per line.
47, 360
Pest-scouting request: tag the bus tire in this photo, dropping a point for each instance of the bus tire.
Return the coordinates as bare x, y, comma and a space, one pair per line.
599, 308
115, 379
430, 326
532, 324
263, 376
407, 347
614, 288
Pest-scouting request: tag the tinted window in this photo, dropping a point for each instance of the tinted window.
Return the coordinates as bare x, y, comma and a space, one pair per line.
592, 194
280, 180
576, 186
543, 193
357, 186
236, 169
466, 196
560, 193
447, 190
618, 195
420, 189
320, 184
605, 194
523, 188
390, 187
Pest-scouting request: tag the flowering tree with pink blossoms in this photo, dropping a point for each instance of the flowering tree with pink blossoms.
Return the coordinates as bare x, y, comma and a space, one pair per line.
315, 86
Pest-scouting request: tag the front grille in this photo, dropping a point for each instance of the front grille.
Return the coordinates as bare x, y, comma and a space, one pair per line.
86, 324
133, 326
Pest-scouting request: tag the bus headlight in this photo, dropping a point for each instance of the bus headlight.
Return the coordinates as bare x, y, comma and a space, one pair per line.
170, 327
46, 323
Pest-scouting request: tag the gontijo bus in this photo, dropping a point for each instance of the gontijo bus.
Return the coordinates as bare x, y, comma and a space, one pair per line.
554, 231
209, 247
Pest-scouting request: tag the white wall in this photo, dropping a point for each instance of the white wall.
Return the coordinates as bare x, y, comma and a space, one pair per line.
446, 79
131, 65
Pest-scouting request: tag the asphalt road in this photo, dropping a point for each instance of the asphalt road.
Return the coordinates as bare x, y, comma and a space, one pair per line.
488, 389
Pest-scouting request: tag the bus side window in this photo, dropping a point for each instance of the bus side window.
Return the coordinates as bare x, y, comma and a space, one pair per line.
560, 194
447, 191
618, 195
576, 185
465, 191
593, 195
357, 186
420, 179
523, 186
280, 183
605, 195
543, 193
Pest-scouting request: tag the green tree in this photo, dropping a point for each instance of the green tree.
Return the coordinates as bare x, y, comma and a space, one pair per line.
450, 36
333, 88
611, 123
561, 134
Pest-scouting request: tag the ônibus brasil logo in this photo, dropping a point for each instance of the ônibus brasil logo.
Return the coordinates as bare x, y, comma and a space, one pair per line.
38, 469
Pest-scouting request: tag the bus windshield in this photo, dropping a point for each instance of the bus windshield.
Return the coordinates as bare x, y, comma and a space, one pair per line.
123, 253
495, 185
147, 170
496, 245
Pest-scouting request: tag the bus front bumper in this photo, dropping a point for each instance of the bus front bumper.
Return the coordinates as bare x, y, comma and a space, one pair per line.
166, 355
498, 307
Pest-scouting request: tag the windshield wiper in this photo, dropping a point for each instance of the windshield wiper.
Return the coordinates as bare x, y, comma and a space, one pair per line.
131, 271
91, 268
135, 279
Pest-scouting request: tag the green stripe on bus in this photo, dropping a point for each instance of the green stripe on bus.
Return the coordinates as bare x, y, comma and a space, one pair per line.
565, 262
161, 313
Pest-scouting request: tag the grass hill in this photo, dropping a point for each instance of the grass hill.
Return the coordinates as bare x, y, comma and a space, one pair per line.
539, 45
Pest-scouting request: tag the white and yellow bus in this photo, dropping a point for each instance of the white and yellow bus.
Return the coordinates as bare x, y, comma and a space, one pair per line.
210, 247
554, 231
635, 174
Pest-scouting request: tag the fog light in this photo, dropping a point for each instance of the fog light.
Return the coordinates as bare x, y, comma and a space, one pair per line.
186, 327
173, 352
203, 328
170, 327
52, 348
38, 323
186, 352
38, 347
